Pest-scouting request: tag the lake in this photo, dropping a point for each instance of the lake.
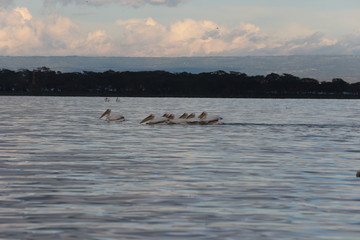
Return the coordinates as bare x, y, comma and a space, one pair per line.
275, 169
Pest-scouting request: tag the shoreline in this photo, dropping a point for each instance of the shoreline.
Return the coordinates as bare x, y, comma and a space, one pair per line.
327, 96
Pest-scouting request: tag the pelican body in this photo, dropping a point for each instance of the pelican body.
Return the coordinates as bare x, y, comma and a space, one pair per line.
204, 118
112, 118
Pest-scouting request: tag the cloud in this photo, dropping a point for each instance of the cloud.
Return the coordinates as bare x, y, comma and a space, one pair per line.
98, 42
150, 38
23, 34
132, 3
350, 44
17, 31
190, 38
308, 44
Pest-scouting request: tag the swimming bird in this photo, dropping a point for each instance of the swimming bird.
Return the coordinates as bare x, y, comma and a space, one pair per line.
152, 119
112, 118
204, 118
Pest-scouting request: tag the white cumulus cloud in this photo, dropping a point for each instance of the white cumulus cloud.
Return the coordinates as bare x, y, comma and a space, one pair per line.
17, 31
96, 43
190, 37
23, 34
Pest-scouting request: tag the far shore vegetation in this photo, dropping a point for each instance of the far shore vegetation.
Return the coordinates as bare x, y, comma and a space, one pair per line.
219, 84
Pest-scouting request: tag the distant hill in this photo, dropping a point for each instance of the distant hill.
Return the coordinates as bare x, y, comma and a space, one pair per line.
323, 68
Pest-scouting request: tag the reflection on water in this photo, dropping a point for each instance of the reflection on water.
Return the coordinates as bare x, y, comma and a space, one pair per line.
276, 169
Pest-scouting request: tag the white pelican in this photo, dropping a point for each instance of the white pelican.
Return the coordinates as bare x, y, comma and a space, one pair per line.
151, 119
206, 119
177, 120
192, 119
114, 118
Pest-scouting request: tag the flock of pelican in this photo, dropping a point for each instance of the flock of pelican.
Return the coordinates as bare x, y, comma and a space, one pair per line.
167, 118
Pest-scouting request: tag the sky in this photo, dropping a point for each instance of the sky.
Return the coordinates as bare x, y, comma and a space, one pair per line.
179, 28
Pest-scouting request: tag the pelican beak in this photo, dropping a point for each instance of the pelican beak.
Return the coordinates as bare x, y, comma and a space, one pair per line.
148, 118
202, 115
184, 116
102, 115
105, 113
192, 115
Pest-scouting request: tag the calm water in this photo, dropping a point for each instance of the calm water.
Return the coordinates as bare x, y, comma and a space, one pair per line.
276, 169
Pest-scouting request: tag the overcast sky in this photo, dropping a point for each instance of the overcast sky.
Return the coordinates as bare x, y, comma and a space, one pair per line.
172, 28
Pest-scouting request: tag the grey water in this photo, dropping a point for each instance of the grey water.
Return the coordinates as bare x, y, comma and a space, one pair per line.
274, 169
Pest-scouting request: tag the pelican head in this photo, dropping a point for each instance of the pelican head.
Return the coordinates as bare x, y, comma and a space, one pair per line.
148, 118
203, 115
107, 112
192, 115
170, 116
184, 116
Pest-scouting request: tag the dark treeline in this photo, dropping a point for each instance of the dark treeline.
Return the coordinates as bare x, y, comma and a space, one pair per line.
44, 81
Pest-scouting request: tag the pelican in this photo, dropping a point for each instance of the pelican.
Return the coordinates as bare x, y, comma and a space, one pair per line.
177, 120
206, 119
113, 118
190, 116
192, 119
152, 119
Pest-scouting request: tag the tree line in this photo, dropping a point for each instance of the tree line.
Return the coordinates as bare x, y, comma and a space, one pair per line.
44, 81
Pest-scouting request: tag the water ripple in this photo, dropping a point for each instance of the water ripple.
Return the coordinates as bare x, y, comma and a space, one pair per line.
276, 169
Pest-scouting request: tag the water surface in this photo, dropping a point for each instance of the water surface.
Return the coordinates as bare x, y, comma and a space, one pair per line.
276, 169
